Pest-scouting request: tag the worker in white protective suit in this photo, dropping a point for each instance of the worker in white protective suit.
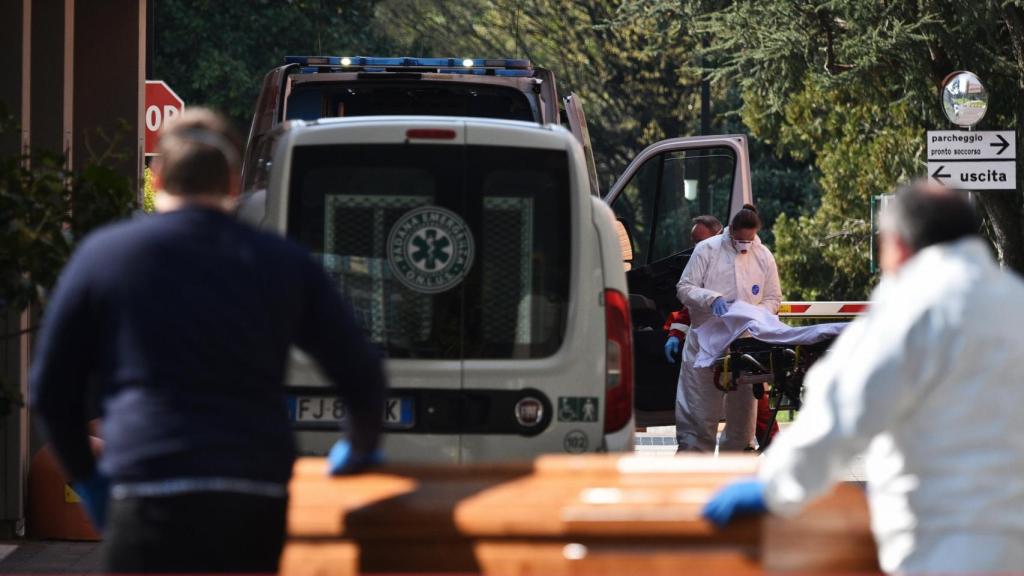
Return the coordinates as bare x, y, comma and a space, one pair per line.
723, 269
928, 383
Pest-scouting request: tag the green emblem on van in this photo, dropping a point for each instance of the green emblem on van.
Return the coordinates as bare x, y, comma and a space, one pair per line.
430, 249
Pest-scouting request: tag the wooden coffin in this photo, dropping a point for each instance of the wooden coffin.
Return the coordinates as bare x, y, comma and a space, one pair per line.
583, 515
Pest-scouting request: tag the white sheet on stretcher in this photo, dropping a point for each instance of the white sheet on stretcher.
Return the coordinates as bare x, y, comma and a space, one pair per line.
715, 335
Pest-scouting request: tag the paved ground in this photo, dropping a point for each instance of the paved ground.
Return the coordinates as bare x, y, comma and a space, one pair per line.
53, 557
660, 441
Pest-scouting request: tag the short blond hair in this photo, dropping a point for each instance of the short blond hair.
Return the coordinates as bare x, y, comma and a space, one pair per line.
198, 151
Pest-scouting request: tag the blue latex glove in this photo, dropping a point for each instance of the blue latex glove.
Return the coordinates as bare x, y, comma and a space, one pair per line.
719, 307
341, 460
671, 349
95, 494
740, 498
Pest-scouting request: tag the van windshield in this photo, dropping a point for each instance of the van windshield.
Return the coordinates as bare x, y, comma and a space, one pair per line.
445, 251
418, 97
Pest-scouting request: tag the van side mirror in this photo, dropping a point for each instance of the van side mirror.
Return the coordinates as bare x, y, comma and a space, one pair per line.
625, 243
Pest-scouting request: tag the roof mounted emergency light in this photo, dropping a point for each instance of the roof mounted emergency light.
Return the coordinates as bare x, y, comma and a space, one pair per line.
476, 66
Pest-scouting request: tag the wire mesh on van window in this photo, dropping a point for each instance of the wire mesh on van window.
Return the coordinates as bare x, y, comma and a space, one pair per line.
521, 278
356, 224
508, 270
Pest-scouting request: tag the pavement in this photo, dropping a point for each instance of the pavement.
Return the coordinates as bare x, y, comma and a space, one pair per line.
59, 557
49, 557
660, 441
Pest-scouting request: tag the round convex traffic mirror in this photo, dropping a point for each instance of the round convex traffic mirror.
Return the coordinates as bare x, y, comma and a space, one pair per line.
964, 99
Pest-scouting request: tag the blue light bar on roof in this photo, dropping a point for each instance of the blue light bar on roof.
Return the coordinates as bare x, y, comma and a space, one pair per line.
450, 64
487, 72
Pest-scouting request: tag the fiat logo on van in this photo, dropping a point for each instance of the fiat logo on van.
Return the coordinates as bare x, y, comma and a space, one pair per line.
430, 249
529, 412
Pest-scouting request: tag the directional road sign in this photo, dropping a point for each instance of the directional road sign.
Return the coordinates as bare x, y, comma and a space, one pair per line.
976, 145
993, 175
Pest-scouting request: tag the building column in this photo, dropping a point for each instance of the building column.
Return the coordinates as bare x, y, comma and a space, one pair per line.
109, 83
15, 70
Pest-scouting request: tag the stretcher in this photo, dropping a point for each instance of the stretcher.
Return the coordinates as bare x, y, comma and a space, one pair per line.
774, 369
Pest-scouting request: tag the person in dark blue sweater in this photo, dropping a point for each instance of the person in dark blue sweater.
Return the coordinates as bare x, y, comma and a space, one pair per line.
179, 325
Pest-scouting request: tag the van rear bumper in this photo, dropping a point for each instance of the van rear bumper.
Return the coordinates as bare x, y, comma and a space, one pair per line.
446, 411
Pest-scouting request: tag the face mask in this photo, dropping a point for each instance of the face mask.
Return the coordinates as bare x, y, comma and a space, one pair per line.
742, 246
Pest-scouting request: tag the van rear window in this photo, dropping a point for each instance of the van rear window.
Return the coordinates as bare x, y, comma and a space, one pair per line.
445, 252
378, 98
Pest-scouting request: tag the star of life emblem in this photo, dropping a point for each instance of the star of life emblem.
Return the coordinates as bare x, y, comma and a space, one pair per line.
430, 249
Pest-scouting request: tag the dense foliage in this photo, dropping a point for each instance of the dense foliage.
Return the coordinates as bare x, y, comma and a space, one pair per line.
216, 53
45, 209
836, 94
638, 78
853, 85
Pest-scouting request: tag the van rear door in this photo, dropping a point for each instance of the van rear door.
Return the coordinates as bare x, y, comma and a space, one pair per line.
380, 205
527, 342
458, 244
661, 191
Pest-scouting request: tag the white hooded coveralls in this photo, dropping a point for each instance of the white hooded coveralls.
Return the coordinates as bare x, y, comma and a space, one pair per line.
715, 270
929, 382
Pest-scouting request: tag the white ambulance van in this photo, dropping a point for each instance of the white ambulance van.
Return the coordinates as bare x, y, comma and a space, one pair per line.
654, 200
477, 258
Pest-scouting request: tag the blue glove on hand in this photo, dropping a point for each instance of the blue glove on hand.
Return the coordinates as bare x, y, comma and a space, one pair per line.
341, 460
671, 349
95, 494
719, 307
743, 497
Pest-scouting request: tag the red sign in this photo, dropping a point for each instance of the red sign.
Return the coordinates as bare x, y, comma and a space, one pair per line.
162, 104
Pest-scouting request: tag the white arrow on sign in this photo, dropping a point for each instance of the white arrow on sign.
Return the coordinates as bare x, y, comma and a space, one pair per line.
976, 145
975, 175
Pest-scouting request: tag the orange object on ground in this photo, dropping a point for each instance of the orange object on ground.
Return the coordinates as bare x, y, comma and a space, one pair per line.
54, 510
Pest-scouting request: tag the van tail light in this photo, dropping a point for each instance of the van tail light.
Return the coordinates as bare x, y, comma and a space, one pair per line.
618, 403
430, 134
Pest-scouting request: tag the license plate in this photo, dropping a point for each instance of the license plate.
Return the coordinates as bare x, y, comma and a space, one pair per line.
332, 411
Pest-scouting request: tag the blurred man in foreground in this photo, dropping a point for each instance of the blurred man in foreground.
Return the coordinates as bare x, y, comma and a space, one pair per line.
181, 323
928, 382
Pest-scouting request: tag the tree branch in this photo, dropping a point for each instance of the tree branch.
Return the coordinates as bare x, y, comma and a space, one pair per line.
828, 24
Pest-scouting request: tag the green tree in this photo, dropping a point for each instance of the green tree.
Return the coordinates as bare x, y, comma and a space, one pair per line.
853, 85
635, 88
46, 209
636, 69
216, 53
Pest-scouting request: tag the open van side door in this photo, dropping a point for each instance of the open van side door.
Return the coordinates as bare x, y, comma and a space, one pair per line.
655, 200
578, 126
